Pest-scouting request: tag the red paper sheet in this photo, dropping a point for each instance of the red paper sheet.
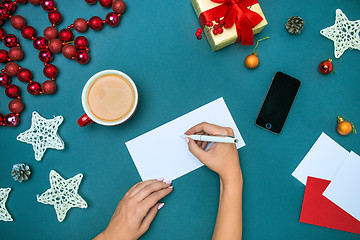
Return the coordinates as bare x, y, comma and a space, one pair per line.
318, 210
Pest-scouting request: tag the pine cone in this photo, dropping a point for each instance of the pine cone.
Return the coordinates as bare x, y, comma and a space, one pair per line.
21, 172
295, 24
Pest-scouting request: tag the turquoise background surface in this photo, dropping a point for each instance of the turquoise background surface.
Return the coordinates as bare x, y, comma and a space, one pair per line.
175, 73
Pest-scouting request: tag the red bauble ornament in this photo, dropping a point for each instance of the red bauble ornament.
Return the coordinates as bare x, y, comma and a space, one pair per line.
39, 43
80, 25
96, 23
10, 6
16, 106
34, 2
46, 56
24, 75
2, 33
54, 17
105, 3
50, 71
11, 120
28, 32
55, 45
48, 5
48, 87
4, 57
18, 22
81, 42
65, 35
112, 19
91, 1
11, 69
2, 120
82, 57
21, 1
10, 40
4, 13
68, 51
4, 79
50, 33
12, 91
119, 6
34, 88
16, 54
325, 67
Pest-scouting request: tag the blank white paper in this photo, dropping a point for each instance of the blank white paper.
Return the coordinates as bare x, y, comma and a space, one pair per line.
344, 189
163, 153
322, 161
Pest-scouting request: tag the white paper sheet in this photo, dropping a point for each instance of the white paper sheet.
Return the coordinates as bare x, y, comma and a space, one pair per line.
344, 189
322, 161
163, 153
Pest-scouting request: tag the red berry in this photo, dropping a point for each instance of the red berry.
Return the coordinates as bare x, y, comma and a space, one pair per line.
217, 19
215, 32
199, 37
207, 23
221, 22
197, 34
226, 26
199, 30
220, 30
216, 27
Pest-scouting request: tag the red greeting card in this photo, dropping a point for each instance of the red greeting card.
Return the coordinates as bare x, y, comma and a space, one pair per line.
318, 210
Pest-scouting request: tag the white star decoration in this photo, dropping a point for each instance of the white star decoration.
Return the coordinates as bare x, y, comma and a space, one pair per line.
4, 214
63, 194
42, 134
344, 33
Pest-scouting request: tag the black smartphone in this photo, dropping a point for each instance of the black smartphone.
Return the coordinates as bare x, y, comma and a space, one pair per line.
278, 102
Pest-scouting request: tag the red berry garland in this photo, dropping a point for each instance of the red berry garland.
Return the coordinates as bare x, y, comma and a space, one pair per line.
53, 42
216, 29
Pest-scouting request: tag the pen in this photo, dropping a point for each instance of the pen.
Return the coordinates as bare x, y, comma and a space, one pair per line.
207, 138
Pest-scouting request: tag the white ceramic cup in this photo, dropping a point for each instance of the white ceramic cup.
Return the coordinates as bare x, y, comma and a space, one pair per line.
89, 117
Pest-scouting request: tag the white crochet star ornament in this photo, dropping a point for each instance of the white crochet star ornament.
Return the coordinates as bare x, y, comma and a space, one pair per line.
4, 214
42, 134
344, 33
63, 194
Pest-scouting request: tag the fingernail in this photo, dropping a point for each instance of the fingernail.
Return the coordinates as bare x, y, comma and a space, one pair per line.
160, 179
168, 182
187, 140
161, 205
171, 186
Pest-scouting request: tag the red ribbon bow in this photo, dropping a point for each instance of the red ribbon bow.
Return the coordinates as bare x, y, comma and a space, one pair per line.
235, 12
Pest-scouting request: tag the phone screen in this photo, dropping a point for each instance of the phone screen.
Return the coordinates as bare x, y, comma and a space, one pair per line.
278, 102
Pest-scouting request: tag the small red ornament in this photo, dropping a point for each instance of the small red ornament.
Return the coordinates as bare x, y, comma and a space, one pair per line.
91, 1
4, 57
2, 33
11, 69
34, 88
12, 91
80, 25
112, 19
54, 17
50, 71
34, 2
118, 6
10, 6
46, 56
65, 35
16, 54
48, 5
2, 123
48, 87
4, 79
16, 106
10, 40
11, 120
96, 23
105, 3
326, 67
50, 33
68, 51
21, 1
24, 75
82, 57
55, 45
18, 22
81, 42
39, 43
4, 13
28, 32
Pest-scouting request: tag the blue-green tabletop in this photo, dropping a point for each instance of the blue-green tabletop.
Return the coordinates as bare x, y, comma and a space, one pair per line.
175, 73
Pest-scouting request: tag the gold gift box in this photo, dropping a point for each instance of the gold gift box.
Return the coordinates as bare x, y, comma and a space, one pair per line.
229, 36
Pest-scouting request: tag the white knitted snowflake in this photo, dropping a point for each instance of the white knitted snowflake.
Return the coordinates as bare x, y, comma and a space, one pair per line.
4, 214
63, 194
42, 134
344, 33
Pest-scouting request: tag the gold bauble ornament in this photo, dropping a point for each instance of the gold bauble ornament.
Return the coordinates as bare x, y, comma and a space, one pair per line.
344, 127
252, 61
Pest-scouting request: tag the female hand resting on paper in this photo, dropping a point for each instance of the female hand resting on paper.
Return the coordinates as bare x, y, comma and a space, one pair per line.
223, 159
136, 210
